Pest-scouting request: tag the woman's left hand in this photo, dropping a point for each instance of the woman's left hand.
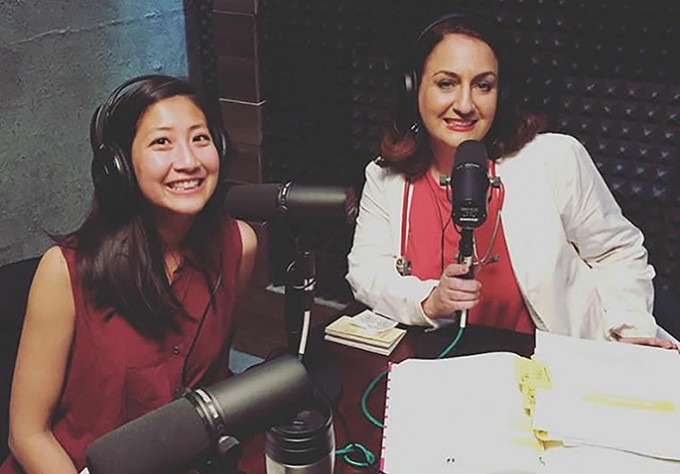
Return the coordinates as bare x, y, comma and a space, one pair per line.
649, 341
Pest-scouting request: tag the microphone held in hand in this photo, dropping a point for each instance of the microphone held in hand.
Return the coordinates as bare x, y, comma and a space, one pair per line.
469, 183
193, 429
262, 202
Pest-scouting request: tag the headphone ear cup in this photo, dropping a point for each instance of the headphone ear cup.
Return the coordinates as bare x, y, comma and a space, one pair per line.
408, 100
410, 85
222, 144
96, 129
114, 181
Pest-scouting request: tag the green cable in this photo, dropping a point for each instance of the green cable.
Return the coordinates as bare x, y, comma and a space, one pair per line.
376, 380
364, 399
450, 347
352, 448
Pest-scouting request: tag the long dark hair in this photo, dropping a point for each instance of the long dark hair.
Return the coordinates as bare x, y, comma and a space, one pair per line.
120, 262
405, 146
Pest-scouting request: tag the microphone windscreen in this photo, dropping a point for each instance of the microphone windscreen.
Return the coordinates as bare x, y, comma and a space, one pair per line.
169, 439
253, 202
469, 183
471, 151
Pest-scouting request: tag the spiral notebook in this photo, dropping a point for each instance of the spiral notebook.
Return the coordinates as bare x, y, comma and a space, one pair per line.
503, 413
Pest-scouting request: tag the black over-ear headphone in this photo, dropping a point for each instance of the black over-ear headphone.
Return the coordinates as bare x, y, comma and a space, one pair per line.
114, 180
408, 100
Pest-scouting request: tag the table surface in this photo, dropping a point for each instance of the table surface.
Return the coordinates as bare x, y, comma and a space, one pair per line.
345, 372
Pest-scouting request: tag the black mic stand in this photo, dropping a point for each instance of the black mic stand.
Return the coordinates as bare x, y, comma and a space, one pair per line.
466, 250
300, 282
304, 343
225, 461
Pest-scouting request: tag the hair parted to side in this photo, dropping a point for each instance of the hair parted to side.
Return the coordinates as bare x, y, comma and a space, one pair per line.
120, 262
405, 144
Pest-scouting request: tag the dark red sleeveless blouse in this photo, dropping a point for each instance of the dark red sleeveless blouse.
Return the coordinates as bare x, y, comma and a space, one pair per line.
116, 375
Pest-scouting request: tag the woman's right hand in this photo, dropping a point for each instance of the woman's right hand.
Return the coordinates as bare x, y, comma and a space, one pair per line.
452, 293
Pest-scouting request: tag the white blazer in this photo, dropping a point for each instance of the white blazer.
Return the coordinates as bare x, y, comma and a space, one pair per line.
580, 265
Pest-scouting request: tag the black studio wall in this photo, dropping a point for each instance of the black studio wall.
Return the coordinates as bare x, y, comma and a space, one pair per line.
602, 71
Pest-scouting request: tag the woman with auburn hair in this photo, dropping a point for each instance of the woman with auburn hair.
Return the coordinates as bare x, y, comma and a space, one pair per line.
555, 252
135, 306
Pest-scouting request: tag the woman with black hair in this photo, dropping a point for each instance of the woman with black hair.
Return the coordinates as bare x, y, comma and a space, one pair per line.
136, 305
555, 252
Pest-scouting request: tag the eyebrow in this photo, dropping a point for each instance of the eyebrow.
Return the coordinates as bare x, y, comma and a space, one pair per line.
453, 74
155, 130
168, 128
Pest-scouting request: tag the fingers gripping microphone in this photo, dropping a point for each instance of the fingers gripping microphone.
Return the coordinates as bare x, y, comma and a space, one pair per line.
187, 431
262, 202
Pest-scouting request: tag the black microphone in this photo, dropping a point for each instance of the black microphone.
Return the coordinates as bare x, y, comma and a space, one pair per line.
262, 202
182, 434
469, 183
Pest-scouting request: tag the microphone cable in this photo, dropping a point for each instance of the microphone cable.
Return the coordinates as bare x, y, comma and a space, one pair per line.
353, 453
352, 450
211, 301
373, 383
308, 285
376, 380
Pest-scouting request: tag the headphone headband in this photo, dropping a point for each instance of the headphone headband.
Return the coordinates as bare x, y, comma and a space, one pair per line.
460, 17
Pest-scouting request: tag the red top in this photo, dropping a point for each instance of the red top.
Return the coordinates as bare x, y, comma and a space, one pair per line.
116, 375
430, 249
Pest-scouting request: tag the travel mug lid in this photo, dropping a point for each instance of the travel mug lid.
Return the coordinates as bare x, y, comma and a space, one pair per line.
305, 440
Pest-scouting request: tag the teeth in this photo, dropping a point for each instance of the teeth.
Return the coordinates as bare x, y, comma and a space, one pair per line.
184, 185
459, 122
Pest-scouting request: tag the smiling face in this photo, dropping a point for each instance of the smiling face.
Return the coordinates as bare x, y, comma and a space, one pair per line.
458, 92
174, 159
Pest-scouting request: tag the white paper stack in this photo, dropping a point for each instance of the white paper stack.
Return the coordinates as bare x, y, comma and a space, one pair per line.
577, 406
608, 394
